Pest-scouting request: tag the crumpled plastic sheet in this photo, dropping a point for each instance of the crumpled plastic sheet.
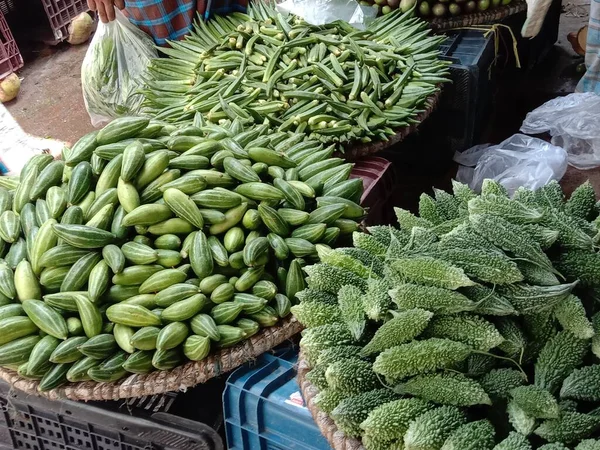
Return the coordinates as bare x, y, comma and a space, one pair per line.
518, 161
321, 12
573, 122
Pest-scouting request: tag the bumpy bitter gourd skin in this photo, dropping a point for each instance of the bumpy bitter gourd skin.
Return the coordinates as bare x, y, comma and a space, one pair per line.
572, 316
510, 238
369, 243
405, 326
447, 205
521, 422
434, 299
351, 412
408, 220
478, 435
337, 353
351, 308
514, 441
569, 427
558, 358
582, 384
376, 300
430, 430
582, 201
553, 446
372, 262
579, 265
352, 376
330, 279
588, 444
341, 260
418, 357
510, 210
428, 209
446, 389
391, 420
329, 398
467, 328
536, 402
316, 339
309, 295
430, 272
485, 266
314, 314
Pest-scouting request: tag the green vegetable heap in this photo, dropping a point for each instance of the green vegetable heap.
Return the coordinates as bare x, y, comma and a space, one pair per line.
474, 326
332, 82
150, 245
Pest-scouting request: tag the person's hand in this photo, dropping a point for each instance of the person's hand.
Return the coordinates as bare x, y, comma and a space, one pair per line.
106, 8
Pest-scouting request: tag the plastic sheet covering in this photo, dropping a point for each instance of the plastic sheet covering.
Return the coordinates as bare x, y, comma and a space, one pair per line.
518, 161
573, 122
320, 12
113, 70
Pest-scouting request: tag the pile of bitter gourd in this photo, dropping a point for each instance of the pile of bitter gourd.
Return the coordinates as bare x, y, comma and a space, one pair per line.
473, 326
149, 245
333, 82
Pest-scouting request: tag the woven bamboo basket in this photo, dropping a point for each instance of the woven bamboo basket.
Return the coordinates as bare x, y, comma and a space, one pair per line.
491, 16
179, 378
359, 150
337, 439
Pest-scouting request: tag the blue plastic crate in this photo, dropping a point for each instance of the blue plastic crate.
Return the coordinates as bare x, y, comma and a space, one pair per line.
264, 409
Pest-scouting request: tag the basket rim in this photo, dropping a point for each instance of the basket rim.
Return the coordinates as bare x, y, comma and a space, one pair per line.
360, 150
478, 18
180, 378
336, 438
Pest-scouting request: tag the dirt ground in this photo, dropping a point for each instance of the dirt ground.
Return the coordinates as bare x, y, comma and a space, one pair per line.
50, 103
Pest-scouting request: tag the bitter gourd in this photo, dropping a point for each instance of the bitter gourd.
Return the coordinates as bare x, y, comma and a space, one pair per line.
391, 420
430, 430
428, 210
569, 427
489, 267
478, 435
352, 376
522, 422
430, 272
510, 238
535, 401
436, 300
572, 316
330, 279
510, 210
408, 220
561, 354
352, 411
376, 300
582, 201
446, 389
467, 328
583, 384
314, 314
417, 357
499, 382
351, 309
514, 441
405, 326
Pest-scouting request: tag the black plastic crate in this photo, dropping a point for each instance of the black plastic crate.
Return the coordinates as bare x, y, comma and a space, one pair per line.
465, 104
34, 423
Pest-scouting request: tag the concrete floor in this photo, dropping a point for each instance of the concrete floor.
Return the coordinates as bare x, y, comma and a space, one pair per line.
50, 103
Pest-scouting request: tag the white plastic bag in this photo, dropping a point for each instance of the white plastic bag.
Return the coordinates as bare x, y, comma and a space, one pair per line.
518, 161
113, 70
573, 122
321, 12
17, 147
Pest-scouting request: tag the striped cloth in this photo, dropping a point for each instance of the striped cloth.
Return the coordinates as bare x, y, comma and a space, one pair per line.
172, 19
591, 79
